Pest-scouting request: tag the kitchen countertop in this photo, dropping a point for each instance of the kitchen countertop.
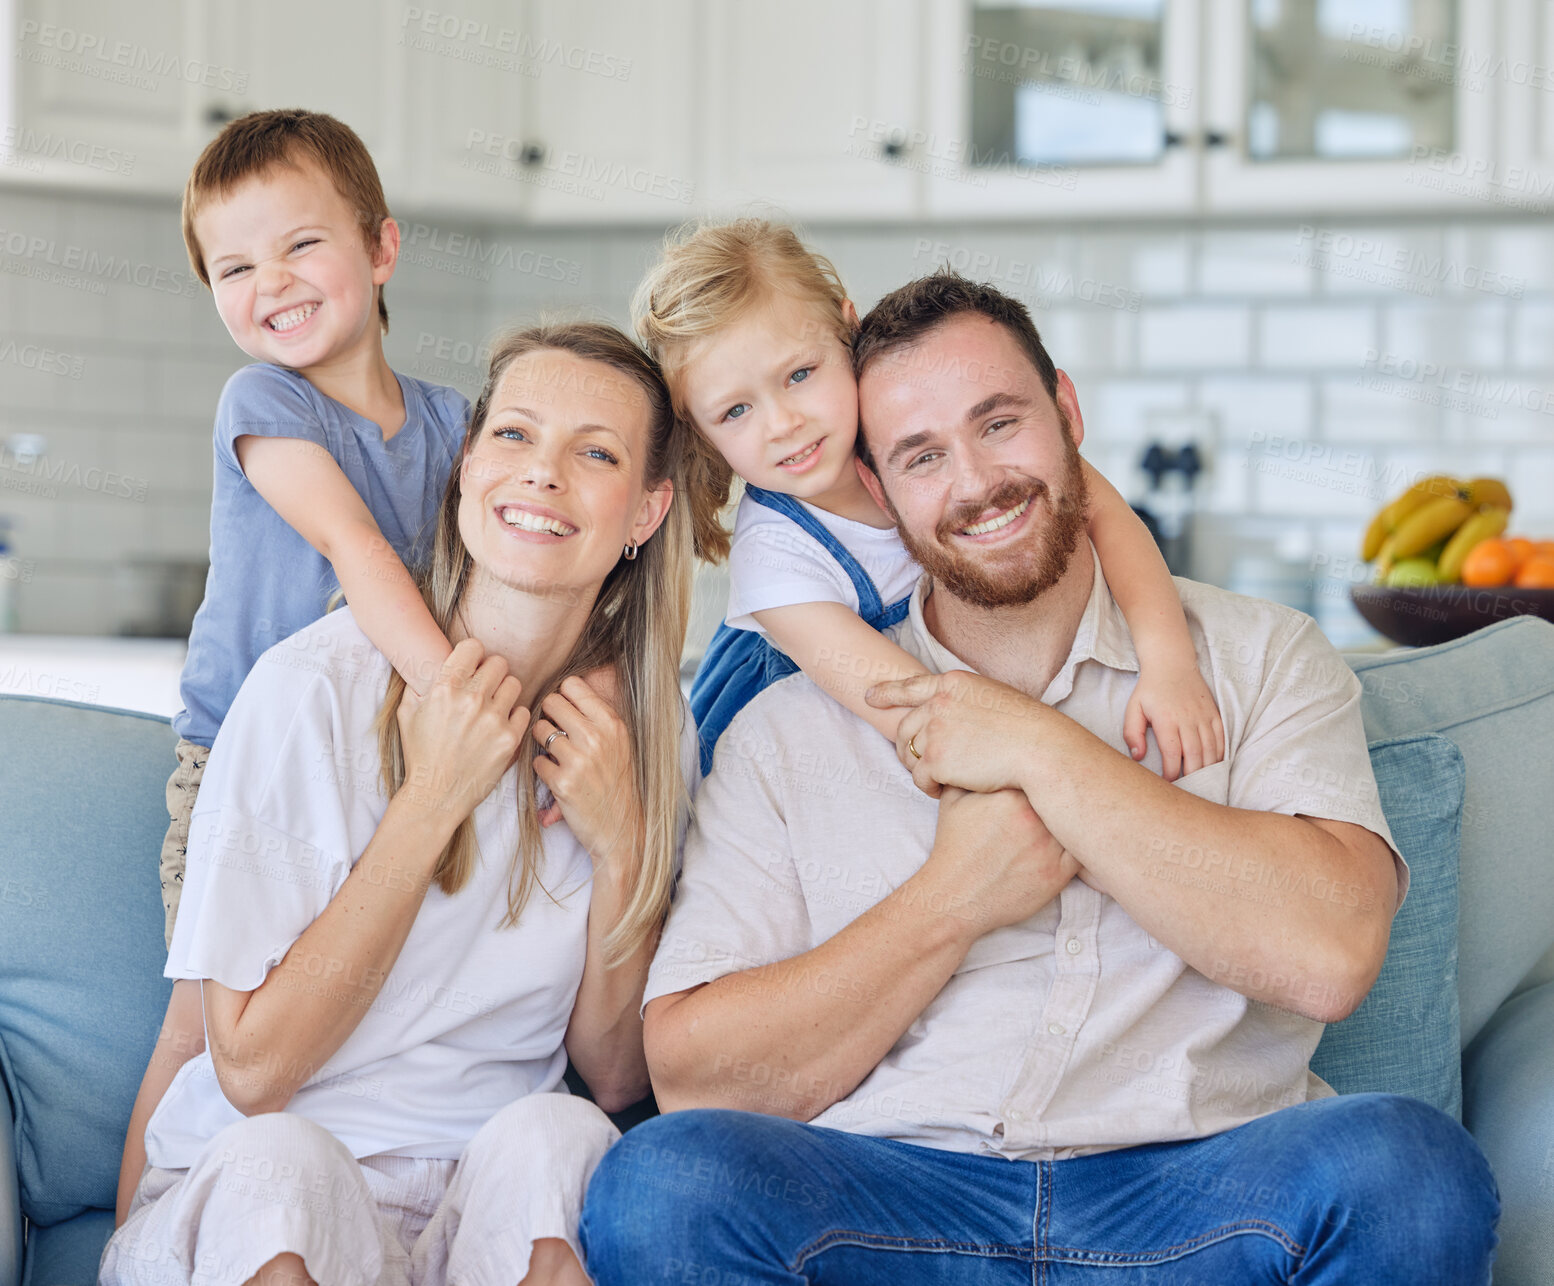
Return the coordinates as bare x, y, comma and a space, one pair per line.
127, 673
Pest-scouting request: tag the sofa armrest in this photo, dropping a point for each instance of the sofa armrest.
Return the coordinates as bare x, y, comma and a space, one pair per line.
10, 1205
1508, 1105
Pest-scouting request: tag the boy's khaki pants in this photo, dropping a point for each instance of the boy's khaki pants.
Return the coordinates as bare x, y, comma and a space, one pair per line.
182, 787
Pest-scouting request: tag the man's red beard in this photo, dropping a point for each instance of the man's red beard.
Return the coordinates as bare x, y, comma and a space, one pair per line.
1014, 577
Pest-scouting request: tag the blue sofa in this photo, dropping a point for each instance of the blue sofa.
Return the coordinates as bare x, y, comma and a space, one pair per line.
1463, 1015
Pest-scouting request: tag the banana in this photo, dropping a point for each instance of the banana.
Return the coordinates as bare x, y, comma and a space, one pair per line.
1437, 517
1392, 515
1488, 492
1479, 527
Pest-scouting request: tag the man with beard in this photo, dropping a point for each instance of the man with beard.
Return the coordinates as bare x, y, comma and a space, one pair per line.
1065, 1039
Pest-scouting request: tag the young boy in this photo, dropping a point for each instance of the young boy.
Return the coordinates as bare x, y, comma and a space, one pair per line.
329, 466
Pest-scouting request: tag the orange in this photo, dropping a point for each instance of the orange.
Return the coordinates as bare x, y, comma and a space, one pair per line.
1542, 549
1490, 562
1521, 548
1537, 572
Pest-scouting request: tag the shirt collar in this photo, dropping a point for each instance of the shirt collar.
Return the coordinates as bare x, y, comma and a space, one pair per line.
1102, 636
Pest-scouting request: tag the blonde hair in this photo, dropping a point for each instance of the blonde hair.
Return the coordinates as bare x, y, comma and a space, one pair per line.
709, 275
636, 627
260, 141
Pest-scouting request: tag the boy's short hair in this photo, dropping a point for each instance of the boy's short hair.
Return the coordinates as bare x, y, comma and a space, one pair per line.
909, 312
258, 142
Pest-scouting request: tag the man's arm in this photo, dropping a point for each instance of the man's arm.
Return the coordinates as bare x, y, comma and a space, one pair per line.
1291, 910
792, 1038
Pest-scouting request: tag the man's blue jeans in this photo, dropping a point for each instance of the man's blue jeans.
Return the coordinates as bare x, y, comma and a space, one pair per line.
1364, 1190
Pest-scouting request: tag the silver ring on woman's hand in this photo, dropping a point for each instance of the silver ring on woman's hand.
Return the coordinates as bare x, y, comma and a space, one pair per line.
557, 733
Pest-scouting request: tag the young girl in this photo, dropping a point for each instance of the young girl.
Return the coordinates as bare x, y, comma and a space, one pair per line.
752, 330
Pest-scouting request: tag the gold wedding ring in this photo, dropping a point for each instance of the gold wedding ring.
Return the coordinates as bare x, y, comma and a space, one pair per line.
912, 746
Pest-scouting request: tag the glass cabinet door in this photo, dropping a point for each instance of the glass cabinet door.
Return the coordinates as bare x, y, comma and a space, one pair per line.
1347, 104
1350, 79
1061, 107
1067, 82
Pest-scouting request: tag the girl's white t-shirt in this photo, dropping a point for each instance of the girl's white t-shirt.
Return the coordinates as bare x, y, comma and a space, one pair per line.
470, 1017
773, 562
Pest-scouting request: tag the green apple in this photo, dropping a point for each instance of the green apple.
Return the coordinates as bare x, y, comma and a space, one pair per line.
1408, 572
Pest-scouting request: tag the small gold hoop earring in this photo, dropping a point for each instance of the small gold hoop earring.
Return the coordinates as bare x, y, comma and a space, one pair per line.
630, 552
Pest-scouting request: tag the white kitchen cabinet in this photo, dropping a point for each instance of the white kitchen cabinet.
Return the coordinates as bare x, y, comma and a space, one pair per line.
613, 111
812, 106
466, 73
1521, 176
1064, 111
1420, 94
343, 58
107, 95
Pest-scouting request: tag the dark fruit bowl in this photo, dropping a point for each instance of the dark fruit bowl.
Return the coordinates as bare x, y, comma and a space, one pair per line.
1422, 615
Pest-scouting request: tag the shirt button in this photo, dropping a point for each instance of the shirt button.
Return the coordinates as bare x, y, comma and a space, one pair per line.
1075, 946
1055, 1028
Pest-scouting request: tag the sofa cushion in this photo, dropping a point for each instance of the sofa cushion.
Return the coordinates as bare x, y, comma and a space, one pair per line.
1403, 1039
1493, 694
81, 992
1508, 1104
67, 1254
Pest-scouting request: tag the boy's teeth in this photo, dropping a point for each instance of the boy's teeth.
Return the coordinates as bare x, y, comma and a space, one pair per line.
535, 522
292, 317
993, 524
802, 455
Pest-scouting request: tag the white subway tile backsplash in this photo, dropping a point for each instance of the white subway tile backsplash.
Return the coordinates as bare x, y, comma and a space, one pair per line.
1247, 405
1532, 335
178, 529
1087, 341
1322, 364
100, 529
1252, 265
1156, 265
1407, 262
1121, 410
1468, 334
185, 386
67, 598
1509, 260
1532, 487
1310, 479
1195, 337
1316, 336
1376, 407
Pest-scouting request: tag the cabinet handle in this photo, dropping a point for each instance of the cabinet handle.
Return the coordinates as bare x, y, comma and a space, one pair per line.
894, 148
1215, 138
218, 115
533, 154
1173, 139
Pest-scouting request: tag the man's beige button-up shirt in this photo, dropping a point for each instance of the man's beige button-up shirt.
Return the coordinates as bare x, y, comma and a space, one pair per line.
1075, 1031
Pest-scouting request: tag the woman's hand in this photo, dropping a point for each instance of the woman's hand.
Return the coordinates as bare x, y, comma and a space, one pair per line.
588, 767
463, 735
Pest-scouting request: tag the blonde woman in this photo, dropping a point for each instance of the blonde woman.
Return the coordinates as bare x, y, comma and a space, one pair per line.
396, 957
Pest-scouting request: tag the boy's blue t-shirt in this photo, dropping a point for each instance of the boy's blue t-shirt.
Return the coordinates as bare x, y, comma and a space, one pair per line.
266, 582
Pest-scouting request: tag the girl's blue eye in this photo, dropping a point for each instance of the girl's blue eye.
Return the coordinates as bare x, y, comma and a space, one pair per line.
802, 374
311, 242
736, 412
237, 268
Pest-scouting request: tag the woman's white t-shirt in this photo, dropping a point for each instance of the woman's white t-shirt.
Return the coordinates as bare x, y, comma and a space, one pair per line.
773, 562
470, 1017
